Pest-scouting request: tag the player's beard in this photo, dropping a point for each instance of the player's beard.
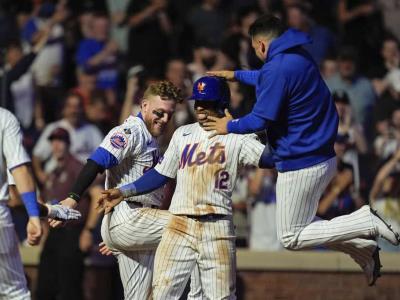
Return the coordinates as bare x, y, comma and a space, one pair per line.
156, 128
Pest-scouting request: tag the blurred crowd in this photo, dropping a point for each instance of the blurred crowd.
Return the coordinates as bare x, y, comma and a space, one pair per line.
71, 70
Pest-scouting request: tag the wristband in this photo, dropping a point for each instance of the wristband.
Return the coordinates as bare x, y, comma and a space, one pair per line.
128, 190
31, 204
74, 196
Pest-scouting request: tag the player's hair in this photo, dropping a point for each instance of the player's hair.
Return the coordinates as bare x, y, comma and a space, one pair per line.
165, 89
267, 25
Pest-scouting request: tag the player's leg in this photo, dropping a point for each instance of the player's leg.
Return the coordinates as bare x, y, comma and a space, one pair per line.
217, 259
136, 271
175, 259
13, 282
196, 289
298, 194
148, 225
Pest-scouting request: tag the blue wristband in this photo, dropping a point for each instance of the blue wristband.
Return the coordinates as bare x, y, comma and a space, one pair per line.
31, 204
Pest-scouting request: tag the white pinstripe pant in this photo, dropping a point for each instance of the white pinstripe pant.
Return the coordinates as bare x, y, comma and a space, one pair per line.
298, 194
134, 238
186, 243
12, 277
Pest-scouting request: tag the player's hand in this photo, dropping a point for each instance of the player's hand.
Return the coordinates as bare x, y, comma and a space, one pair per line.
68, 202
108, 200
85, 240
34, 231
228, 75
62, 213
104, 249
218, 125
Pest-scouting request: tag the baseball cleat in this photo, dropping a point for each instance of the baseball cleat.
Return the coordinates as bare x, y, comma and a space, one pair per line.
373, 269
384, 229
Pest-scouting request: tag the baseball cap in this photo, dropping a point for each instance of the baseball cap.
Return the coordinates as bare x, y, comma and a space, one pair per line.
209, 88
60, 134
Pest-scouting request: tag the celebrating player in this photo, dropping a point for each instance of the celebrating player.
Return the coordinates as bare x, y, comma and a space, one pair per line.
201, 231
13, 158
133, 230
296, 108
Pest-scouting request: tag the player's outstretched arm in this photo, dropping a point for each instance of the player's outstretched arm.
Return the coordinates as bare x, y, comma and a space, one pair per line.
149, 182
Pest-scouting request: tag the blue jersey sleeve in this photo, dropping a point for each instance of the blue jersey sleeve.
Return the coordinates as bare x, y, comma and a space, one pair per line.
104, 158
271, 94
247, 77
149, 182
248, 124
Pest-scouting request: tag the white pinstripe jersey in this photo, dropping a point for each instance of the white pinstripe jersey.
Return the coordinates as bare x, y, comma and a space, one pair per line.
136, 151
206, 169
12, 153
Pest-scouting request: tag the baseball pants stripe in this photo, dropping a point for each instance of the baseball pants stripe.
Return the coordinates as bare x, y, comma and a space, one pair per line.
298, 194
187, 242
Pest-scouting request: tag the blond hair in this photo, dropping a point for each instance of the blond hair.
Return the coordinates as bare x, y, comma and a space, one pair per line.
165, 89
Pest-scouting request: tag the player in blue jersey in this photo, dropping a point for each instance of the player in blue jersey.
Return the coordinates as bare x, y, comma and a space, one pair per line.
296, 107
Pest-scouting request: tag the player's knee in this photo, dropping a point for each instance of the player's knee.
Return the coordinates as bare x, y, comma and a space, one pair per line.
288, 242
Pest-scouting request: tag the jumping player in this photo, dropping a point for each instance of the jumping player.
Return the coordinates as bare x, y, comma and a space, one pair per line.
14, 169
296, 108
201, 231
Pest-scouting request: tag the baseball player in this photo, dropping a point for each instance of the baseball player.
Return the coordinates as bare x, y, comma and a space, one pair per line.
133, 230
14, 166
296, 108
201, 232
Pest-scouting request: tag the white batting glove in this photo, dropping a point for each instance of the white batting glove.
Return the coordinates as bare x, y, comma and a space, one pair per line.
62, 213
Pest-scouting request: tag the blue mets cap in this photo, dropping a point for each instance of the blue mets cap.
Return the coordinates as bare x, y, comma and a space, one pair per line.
212, 88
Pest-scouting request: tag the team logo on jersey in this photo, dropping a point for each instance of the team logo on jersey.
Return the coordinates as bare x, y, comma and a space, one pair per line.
118, 140
216, 155
200, 87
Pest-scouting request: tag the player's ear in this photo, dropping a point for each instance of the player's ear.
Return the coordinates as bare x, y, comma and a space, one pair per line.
145, 105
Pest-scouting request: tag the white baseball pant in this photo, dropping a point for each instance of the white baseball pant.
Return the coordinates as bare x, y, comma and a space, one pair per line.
134, 242
188, 242
298, 194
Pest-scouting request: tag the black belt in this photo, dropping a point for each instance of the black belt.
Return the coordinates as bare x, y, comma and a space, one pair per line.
140, 204
208, 217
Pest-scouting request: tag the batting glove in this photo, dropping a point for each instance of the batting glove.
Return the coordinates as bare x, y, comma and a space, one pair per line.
62, 213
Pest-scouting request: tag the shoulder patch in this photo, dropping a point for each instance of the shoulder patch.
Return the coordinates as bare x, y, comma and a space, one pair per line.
118, 140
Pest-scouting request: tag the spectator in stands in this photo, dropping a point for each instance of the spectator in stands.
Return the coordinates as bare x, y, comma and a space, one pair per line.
358, 88
85, 87
236, 47
98, 55
361, 27
391, 12
61, 260
149, 30
119, 29
207, 23
16, 66
262, 217
48, 65
388, 140
385, 195
177, 73
328, 68
98, 112
85, 137
323, 44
